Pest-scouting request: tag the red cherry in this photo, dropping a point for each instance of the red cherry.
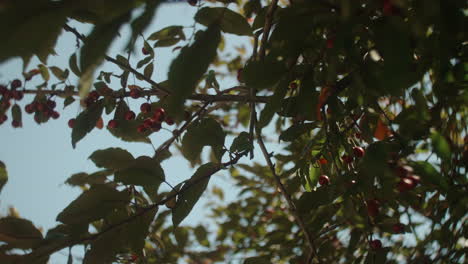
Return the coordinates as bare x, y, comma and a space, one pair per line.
3, 118
192, 2
41, 107
51, 104
141, 129
16, 83
6, 104
323, 161
37, 119
15, 123
358, 135
416, 179
71, 123
55, 114
145, 108
159, 115
133, 257
330, 43
112, 124
373, 207
406, 184
17, 95
375, 244
135, 94
3, 89
147, 123
144, 51
94, 95
29, 108
130, 115
169, 121
293, 85
398, 228
347, 159
155, 126
324, 180
404, 171
358, 152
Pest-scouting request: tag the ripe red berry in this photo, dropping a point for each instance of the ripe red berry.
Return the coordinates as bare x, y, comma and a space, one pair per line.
147, 123
324, 180
373, 207
112, 124
3, 89
135, 94
41, 107
358, 152
404, 171
130, 115
293, 85
141, 128
29, 108
144, 51
416, 179
159, 115
17, 95
3, 118
51, 104
5, 104
16, 83
330, 43
94, 95
406, 184
54, 114
192, 2
15, 123
169, 121
71, 123
347, 159
145, 108
398, 228
155, 126
323, 161
375, 244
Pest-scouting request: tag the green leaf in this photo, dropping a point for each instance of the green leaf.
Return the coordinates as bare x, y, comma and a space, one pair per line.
171, 32
258, 260
201, 235
58, 73
192, 191
86, 121
127, 130
297, 130
94, 49
312, 200
140, 24
148, 71
430, 174
241, 143
44, 72
19, 233
93, 204
31, 29
181, 234
3, 175
440, 146
16, 113
207, 132
231, 22
112, 158
188, 68
69, 100
73, 64
80, 179
274, 103
265, 73
144, 61
143, 171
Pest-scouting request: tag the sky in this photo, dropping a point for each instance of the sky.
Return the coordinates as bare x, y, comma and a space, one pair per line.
39, 158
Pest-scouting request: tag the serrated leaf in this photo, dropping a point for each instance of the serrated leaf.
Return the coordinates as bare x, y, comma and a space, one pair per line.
241, 143
73, 64
44, 72
297, 130
143, 171
93, 204
193, 189
86, 121
207, 132
3, 175
148, 71
58, 73
188, 68
94, 49
16, 113
440, 146
19, 233
231, 22
112, 158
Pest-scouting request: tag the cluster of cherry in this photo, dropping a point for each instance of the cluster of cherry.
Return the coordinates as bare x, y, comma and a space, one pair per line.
5, 101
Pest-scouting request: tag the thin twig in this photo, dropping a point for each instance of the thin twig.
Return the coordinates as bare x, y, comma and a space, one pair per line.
267, 28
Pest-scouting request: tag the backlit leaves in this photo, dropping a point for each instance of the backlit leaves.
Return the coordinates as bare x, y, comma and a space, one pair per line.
19, 233
230, 21
86, 121
143, 171
3, 175
112, 158
188, 68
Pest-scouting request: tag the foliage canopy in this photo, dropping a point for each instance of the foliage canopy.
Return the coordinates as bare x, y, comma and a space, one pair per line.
368, 101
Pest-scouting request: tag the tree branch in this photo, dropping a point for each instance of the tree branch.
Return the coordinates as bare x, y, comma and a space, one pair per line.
267, 27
